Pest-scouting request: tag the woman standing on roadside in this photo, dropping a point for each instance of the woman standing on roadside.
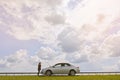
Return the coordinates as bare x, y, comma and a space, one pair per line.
39, 68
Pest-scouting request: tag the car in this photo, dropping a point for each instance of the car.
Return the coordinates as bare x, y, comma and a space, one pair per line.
60, 68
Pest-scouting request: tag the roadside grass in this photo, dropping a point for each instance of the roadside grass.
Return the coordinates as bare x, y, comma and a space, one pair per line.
82, 77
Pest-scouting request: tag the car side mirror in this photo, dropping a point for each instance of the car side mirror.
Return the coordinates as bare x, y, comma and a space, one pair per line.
53, 66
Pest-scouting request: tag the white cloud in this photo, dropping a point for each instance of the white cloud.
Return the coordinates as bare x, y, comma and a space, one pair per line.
69, 40
111, 45
34, 60
18, 60
89, 13
46, 53
2, 63
77, 57
33, 19
22, 61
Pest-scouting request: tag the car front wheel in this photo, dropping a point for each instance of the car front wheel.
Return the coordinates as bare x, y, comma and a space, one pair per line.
48, 73
72, 73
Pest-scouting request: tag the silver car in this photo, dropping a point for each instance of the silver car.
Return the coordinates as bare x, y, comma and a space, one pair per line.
61, 68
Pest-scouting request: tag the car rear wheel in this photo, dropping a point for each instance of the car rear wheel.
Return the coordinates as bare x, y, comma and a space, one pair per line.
48, 73
72, 73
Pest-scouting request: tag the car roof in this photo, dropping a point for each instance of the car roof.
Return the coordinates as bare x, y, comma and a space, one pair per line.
62, 63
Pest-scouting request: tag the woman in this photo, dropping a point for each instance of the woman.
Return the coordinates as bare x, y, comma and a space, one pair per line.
39, 68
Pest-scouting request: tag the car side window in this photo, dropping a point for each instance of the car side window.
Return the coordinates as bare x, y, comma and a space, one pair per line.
57, 65
62, 65
67, 65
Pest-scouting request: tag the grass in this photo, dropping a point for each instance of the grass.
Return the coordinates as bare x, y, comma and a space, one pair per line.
88, 77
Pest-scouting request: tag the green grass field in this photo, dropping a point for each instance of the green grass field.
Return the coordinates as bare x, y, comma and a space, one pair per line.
92, 77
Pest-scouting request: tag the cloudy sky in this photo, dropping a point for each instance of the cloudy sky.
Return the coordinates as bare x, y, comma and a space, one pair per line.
85, 33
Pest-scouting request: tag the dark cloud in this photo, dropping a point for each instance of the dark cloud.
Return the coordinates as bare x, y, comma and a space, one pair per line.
54, 3
69, 40
46, 53
2, 63
77, 58
55, 19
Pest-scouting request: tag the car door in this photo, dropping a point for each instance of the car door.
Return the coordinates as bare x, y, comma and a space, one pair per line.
65, 69
57, 69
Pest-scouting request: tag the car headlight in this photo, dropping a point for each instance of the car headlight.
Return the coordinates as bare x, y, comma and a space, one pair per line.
42, 71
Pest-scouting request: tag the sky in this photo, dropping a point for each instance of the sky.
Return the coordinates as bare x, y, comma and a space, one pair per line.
85, 33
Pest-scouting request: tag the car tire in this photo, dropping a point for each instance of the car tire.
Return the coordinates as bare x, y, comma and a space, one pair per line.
48, 73
72, 73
